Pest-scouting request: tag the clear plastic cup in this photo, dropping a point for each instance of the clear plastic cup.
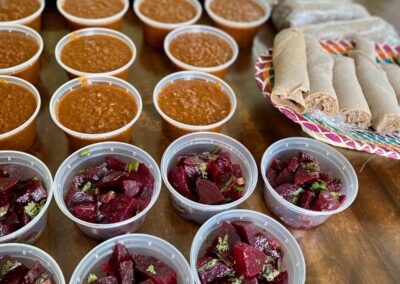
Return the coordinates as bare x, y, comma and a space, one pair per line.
112, 22
78, 140
30, 167
28, 255
33, 21
293, 259
243, 32
121, 72
207, 142
155, 32
331, 162
22, 137
174, 129
97, 152
218, 71
28, 70
135, 243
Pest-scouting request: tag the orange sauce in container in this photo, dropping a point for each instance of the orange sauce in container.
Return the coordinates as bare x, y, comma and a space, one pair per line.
18, 10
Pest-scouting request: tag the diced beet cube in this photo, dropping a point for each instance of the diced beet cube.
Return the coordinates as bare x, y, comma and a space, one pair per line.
23, 217
94, 174
342, 198
86, 212
325, 202
6, 229
227, 229
192, 165
253, 280
76, 196
182, 157
261, 242
107, 197
246, 230
148, 281
125, 272
112, 179
278, 165
12, 270
130, 187
305, 176
121, 208
79, 180
211, 269
107, 280
288, 192
180, 181
11, 171
223, 154
306, 199
33, 274
335, 185
236, 192
150, 267
143, 176
219, 167
115, 164
282, 278
271, 175
237, 171
305, 157
285, 176
33, 191
248, 261
120, 254
208, 192
147, 194
225, 183
293, 164
7, 186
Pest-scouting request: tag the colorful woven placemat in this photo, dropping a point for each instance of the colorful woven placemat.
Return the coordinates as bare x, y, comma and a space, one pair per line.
386, 145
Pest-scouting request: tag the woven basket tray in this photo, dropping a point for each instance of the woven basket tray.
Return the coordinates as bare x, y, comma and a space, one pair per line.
386, 145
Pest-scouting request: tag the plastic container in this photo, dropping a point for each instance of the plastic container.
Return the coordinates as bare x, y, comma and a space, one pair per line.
97, 152
112, 22
218, 71
78, 140
331, 162
243, 32
31, 167
29, 70
174, 129
22, 137
155, 32
33, 21
122, 72
28, 255
202, 142
293, 259
138, 244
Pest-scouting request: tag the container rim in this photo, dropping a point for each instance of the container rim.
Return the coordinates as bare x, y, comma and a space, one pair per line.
94, 79
201, 29
89, 32
333, 152
190, 75
28, 18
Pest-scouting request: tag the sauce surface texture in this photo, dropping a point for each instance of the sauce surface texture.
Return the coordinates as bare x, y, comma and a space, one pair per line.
96, 108
11, 10
201, 49
168, 11
16, 107
238, 10
96, 53
93, 9
194, 102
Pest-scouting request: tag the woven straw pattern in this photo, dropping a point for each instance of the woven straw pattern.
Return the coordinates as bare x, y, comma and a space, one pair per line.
386, 145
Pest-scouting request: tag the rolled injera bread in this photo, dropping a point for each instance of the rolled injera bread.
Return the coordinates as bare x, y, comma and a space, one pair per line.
393, 73
378, 92
353, 107
398, 58
290, 68
374, 28
366, 46
322, 94
300, 13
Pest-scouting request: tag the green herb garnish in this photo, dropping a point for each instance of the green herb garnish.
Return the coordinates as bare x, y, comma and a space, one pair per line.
84, 153
5, 268
226, 186
296, 195
239, 188
270, 272
151, 269
133, 166
91, 278
222, 244
318, 185
86, 186
203, 170
33, 208
207, 265
310, 166
335, 194
235, 280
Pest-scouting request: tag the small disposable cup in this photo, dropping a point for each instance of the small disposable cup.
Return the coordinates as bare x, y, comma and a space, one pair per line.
28, 255
96, 155
28, 70
331, 162
155, 32
243, 32
174, 129
218, 71
121, 72
33, 21
293, 259
22, 137
136, 244
78, 140
112, 22
30, 167
207, 142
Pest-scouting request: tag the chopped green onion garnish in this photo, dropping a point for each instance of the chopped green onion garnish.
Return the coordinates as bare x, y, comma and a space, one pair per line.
133, 166
84, 153
151, 269
91, 278
86, 186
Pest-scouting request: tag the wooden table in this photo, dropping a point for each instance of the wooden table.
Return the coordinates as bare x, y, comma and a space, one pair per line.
360, 245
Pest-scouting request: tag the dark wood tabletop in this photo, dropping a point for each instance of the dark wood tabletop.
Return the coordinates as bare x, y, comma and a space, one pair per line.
360, 245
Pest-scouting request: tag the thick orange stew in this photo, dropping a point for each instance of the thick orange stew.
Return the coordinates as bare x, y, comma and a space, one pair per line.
194, 102
17, 105
93, 9
96, 53
96, 108
168, 11
11, 10
238, 10
201, 49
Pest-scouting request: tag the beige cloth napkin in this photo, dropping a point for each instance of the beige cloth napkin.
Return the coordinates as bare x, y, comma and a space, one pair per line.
352, 104
366, 46
378, 92
322, 95
393, 73
290, 67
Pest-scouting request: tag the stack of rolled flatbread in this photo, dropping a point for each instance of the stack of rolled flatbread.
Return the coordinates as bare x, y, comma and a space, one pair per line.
355, 87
